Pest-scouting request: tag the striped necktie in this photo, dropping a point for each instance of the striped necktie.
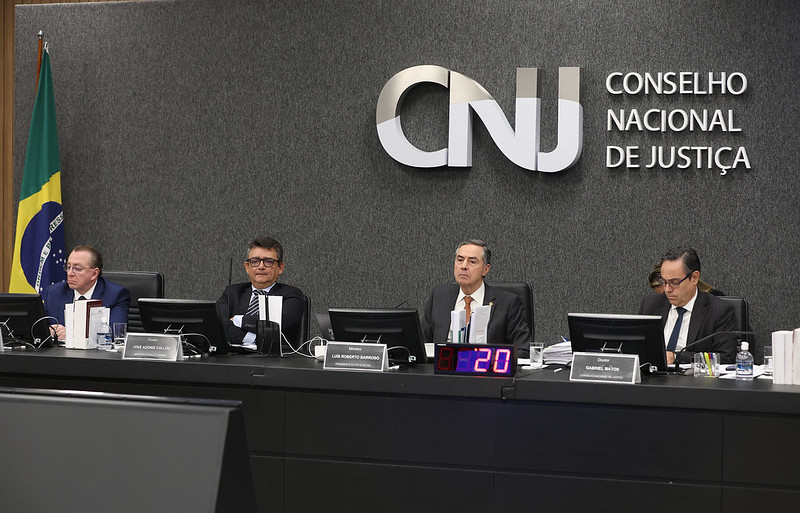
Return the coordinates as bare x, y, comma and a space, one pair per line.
252, 309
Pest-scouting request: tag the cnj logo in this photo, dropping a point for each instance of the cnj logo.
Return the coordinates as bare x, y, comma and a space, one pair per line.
519, 144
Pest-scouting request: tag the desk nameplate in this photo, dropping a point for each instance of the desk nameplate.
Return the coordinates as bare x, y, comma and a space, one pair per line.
605, 368
356, 356
152, 346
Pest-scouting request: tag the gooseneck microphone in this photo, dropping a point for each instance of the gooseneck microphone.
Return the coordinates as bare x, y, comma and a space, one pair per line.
703, 339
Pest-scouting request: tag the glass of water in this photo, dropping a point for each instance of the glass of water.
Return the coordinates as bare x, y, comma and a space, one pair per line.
537, 354
768, 360
120, 329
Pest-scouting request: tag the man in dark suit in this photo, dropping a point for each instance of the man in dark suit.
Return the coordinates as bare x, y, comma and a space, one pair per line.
507, 324
85, 281
238, 304
687, 313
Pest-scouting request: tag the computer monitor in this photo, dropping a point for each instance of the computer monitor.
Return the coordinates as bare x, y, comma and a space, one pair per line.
23, 320
628, 334
198, 319
398, 328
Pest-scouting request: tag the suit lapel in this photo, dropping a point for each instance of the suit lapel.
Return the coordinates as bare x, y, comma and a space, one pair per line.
99, 289
452, 295
665, 308
244, 296
489, 294
698, 316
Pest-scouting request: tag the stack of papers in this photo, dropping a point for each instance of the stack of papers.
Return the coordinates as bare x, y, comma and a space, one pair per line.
786, 357
559, 354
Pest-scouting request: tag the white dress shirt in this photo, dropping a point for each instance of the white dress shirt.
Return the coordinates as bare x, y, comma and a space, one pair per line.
672, 318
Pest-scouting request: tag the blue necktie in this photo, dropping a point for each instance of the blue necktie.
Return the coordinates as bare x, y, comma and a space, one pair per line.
673, 339
252, 308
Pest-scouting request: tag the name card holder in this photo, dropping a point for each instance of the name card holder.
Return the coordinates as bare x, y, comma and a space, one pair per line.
605, 368
356, 356
153, 346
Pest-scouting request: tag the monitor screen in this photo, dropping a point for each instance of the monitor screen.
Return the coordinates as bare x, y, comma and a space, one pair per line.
196, 318
23, 320
399, 329
628, 334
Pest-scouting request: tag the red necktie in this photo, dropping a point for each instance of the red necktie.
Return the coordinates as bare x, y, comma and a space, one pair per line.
467, 301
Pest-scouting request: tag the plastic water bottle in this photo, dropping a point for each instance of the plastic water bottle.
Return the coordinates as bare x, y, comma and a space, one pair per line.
104, 336
744, 363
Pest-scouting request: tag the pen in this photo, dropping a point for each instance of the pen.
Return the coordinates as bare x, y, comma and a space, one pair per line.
708, 364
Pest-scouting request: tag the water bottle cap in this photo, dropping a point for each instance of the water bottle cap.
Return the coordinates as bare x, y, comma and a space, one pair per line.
745, 346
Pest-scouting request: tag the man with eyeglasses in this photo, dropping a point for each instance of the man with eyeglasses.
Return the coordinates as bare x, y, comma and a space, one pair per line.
85, 280
688, 313
264, 264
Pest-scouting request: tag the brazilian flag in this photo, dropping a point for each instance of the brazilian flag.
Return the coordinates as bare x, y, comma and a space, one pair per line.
39, 251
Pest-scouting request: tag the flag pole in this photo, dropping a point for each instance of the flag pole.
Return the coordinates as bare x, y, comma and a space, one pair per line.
39, 62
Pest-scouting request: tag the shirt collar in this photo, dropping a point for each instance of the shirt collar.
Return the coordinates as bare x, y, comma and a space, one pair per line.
267, 289
88, 295
478, 295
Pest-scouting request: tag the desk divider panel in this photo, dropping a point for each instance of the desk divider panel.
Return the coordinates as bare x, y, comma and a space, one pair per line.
334, 486
412, 429
762, 450
611, 441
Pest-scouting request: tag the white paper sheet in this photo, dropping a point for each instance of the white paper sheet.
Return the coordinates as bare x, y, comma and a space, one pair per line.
458, 326
479, 323
275, 309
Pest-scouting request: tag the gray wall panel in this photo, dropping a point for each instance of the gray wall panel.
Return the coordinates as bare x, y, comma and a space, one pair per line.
186, 127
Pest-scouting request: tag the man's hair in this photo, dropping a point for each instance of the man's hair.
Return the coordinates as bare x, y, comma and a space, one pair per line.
267, 243
691, 262
95, 260
487, 253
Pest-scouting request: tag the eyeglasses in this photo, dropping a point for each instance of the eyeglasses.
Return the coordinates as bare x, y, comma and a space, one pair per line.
78, 269
268, 262
673, 282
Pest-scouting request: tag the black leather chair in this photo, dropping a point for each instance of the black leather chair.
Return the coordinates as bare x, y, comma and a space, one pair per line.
140, 284
525, 293
742, 314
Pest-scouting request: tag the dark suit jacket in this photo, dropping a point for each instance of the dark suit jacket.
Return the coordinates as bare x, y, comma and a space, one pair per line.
507, 323
116, 297
236, 298
710, 315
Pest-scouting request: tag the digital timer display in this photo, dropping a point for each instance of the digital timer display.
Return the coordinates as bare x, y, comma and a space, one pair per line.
475, 359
